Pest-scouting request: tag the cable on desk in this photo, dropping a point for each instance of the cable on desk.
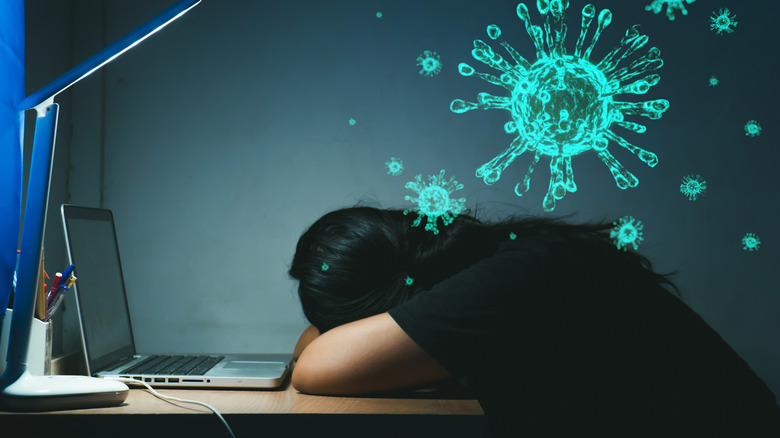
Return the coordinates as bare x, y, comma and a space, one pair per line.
170, 397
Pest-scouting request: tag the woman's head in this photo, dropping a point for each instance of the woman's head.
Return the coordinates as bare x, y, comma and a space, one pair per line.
357, 262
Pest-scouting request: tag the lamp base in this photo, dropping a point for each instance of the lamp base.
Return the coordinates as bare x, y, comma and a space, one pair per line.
51, 393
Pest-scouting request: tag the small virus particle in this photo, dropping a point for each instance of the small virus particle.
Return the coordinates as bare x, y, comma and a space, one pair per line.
429, 63
394, 166
563, 104
693, 186
671, 6
714, 81
378, 15
751, 242
325, 267
512, 236
433, 200
722, 22
752, 128
409, 280
627, 232
352, 122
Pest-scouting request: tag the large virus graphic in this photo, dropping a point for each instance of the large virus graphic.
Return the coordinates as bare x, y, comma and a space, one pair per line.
394, 166
433, 200
722, 21
751, 242
563, 105
627, 231
429, 63
671, 6
752, 128
693, 186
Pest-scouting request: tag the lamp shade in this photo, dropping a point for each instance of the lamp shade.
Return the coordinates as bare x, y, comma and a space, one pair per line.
11, 138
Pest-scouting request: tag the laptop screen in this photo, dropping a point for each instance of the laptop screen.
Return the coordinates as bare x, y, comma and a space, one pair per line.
99, 288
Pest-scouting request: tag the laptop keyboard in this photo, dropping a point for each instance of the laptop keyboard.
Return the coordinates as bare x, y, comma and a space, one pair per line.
174, 364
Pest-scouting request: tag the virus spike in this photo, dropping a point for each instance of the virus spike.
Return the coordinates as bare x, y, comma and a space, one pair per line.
482, 52
649, 62
641, 86
649, 158
490, 172
527, 179
652, 109
623, 178
605, 18
521, 62
588, 12
535, 32
636, 127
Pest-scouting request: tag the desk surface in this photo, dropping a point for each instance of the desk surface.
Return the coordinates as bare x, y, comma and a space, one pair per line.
287, 401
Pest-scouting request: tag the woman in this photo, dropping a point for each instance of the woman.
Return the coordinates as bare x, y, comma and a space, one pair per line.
553, 329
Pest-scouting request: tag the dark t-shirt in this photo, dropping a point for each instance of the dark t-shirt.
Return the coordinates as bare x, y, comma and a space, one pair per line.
561, 337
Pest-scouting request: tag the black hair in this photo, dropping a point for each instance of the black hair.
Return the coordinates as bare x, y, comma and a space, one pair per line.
360, 261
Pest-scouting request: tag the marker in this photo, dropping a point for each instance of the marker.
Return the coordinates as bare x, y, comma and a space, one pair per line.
71, 281
54, 286
68, 271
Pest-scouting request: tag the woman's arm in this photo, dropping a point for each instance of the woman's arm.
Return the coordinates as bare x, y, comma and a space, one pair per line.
366, 356
307, 336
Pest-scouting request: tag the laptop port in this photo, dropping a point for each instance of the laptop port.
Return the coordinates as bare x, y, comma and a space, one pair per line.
159, 379
173, 380
137, 377
147, 379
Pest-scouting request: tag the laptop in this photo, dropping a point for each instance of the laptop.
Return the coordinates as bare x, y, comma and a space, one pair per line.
107, 334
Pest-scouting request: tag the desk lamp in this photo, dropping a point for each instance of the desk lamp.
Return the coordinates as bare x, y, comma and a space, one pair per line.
19, 390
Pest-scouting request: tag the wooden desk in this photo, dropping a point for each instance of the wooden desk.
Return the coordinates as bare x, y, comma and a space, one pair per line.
282, 413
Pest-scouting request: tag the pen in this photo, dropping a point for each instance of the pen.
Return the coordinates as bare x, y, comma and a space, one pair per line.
71, 281
66, 273
55, 284
57, 300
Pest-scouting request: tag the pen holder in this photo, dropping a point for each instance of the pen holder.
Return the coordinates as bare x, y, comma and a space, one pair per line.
39, 353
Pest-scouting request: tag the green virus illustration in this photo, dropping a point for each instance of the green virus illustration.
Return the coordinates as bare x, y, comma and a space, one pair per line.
627, 231
429, 63
722, 22
751, 242
394, 166
713, 81
752, 128
563, 105
325, 267
352, 122
409, 280
378, 15
692, 186
433, 200
671, 5
512, 236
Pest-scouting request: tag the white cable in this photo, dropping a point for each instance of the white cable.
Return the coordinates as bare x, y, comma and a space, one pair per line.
170, 397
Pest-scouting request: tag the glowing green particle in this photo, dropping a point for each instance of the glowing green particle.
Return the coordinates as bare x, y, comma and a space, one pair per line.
512, 236
751, 242
722, 22
325, 267
394, 166
627, 232
429, 63
378, 15
563, 105
409, 280
714, 81
352, 122
493, 31
693, 186
752, 128
433, 200
671, 6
